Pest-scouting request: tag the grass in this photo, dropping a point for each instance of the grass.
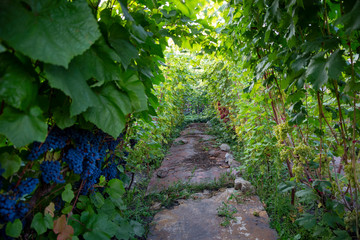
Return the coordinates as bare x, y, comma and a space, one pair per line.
226, 211
140, 204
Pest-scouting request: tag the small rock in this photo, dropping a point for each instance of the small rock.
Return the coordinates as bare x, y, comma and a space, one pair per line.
198, 196
234, 164
207, 193
225, 147
155, 206
243, 185
229, 158
213, 153
234, 172
162, 173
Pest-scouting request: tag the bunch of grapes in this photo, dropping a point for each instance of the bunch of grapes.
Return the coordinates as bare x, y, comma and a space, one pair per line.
27, 186
50, 171
110, 171
91, 181
74, 158
85, 153
55, 140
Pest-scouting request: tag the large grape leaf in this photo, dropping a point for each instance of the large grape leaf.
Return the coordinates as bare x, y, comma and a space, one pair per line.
109, 114
53, 31
320, 69
135, 89
73, 83
351, 20
17, 86
316, 72
119, 41
98, 62
23, 128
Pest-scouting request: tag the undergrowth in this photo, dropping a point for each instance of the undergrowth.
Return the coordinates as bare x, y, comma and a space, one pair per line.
277, 204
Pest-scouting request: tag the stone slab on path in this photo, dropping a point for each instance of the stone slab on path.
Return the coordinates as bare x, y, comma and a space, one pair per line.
199, 220
195, 158
187, 160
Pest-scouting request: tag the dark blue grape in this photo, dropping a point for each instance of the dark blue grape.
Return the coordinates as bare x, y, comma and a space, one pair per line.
26, 186
110, 171
75, 157
56, 139
7, 208
50, 171
91, 181
37, 150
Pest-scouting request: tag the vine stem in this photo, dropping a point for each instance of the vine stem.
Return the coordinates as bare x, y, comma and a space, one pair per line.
344, 157
320, 125
77, 195
353, 153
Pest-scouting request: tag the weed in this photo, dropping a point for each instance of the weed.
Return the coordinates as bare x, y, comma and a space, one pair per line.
227, 211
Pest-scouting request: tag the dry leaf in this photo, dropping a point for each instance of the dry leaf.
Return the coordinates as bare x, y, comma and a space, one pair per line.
50, 209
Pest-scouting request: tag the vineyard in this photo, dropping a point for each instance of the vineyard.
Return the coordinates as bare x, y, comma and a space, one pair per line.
93, 92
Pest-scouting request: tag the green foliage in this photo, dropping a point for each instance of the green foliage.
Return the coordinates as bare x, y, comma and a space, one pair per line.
14, 229
227, 211
41, 223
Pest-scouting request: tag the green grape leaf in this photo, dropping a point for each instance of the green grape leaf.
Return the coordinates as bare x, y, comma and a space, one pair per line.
52, 31
23, 128
13, 229
72, 82
109, 114
308, 221
96, 235
341, 235
98, 62
135, 89
351, 20
116, 188
11, 163
332, 219
336, 64
67, 195
126, 51
42, 223
306, 195
321, 69
97, 199
17, 86
123, 4
137, 228
316, 72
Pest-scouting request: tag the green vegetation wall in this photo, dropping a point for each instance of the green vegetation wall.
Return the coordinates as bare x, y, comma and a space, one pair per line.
289, 73
76, 81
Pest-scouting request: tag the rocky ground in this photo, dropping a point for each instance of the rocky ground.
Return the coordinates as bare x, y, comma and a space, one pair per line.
228, 213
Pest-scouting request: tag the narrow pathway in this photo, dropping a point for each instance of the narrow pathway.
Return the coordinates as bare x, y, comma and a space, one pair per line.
195, 158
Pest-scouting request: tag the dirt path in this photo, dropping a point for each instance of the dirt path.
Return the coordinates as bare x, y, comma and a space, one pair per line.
195, 158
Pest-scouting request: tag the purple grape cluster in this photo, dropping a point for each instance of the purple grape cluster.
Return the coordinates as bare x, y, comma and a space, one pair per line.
10, 209
55, 140
74, 158
26, 186
50, 171
85, 153
91, 181
110, 171
10, 206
